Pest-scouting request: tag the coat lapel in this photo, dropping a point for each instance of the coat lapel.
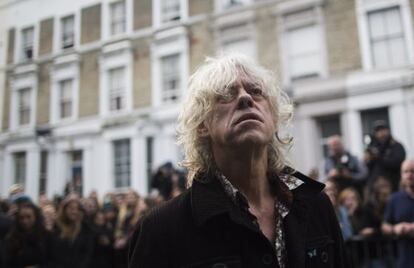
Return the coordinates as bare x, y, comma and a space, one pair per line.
296, 222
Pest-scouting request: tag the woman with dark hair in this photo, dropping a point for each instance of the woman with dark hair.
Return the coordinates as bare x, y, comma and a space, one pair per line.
28, 243
75, 239
103, 254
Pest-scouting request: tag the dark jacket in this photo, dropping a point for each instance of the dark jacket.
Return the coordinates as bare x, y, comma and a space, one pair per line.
203, 227
387, 160
77, 253
29, 250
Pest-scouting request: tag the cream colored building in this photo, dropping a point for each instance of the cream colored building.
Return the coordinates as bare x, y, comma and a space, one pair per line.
90, 89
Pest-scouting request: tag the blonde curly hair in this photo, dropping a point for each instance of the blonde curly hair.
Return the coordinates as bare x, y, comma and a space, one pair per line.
211, 80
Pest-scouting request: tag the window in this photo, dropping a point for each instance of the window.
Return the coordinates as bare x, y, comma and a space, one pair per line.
117, 89
387, 38
122, 163
20, 167
304, 60
117, 18
170, 77
170, 10
24, 106
75, 159
65, 98
27, 43
238, 38
68, 34
328, 126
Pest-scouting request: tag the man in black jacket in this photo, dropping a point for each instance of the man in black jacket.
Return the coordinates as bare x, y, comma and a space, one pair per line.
384, 156
245, 207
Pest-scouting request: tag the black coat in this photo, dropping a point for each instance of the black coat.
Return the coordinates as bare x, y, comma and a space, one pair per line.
203, 227
387, 163
77, 253
33, 250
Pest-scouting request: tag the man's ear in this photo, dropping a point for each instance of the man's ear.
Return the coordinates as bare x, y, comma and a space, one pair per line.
202, 130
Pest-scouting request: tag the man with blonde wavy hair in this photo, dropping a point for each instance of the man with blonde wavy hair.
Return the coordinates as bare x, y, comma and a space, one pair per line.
245, 207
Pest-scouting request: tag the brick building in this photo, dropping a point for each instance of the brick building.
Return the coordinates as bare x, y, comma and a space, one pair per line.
90, 89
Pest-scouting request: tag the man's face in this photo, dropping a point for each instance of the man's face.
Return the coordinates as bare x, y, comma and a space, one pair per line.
382, 134
407, 174
335, 146
241, 117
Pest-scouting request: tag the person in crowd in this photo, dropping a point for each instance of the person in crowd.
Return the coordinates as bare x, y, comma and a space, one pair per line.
50, 218
178, 183
399, 216
384, 156
5, 221
343, 167
162, 182
331, 191
375, 206
75, 238
245, 206
90, 208
123, 227
103, 254
380, 248
5, 225
350, 199
29, 244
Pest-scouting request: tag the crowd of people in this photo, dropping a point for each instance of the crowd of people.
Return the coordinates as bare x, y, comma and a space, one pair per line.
74, 231
373, 198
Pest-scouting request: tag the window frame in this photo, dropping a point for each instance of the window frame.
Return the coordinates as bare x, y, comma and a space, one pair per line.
157, 15
58, 32
174, 92
64, 46
26, 109
285, 26
64, 68
23, 78
119, 21
22, 154
119, 91
116, 55
363, 9
107, 20
126, 168
24, 46
65, 100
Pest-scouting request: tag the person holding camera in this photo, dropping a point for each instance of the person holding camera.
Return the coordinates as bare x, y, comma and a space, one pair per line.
343, 167
384, 156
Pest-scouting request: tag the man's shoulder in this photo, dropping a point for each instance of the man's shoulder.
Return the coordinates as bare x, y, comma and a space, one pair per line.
398, 196
171, 211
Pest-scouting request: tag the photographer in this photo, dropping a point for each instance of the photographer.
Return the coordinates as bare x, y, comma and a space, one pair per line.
384, 156
343, 167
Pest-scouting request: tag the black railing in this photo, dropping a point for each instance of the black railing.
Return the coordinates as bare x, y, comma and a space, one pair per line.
373, 252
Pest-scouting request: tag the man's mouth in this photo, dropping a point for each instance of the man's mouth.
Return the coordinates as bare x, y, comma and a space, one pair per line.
248, 116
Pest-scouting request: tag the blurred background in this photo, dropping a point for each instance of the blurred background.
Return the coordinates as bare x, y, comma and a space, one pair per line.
90, 89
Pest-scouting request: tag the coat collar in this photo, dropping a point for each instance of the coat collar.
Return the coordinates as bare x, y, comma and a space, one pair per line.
208, 198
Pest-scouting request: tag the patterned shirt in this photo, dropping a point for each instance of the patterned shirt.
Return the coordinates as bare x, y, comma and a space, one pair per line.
281, 209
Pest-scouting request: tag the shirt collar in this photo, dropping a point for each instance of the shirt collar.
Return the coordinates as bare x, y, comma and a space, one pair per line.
208, 197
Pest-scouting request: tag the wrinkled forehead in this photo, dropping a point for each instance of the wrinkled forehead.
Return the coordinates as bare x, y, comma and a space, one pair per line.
224, 77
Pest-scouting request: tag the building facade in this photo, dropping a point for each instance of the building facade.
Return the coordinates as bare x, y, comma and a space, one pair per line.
91, 89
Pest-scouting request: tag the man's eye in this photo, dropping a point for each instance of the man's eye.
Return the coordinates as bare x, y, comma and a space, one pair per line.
224, 98
256, 91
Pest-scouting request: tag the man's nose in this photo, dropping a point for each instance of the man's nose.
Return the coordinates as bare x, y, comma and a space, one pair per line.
244, 100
